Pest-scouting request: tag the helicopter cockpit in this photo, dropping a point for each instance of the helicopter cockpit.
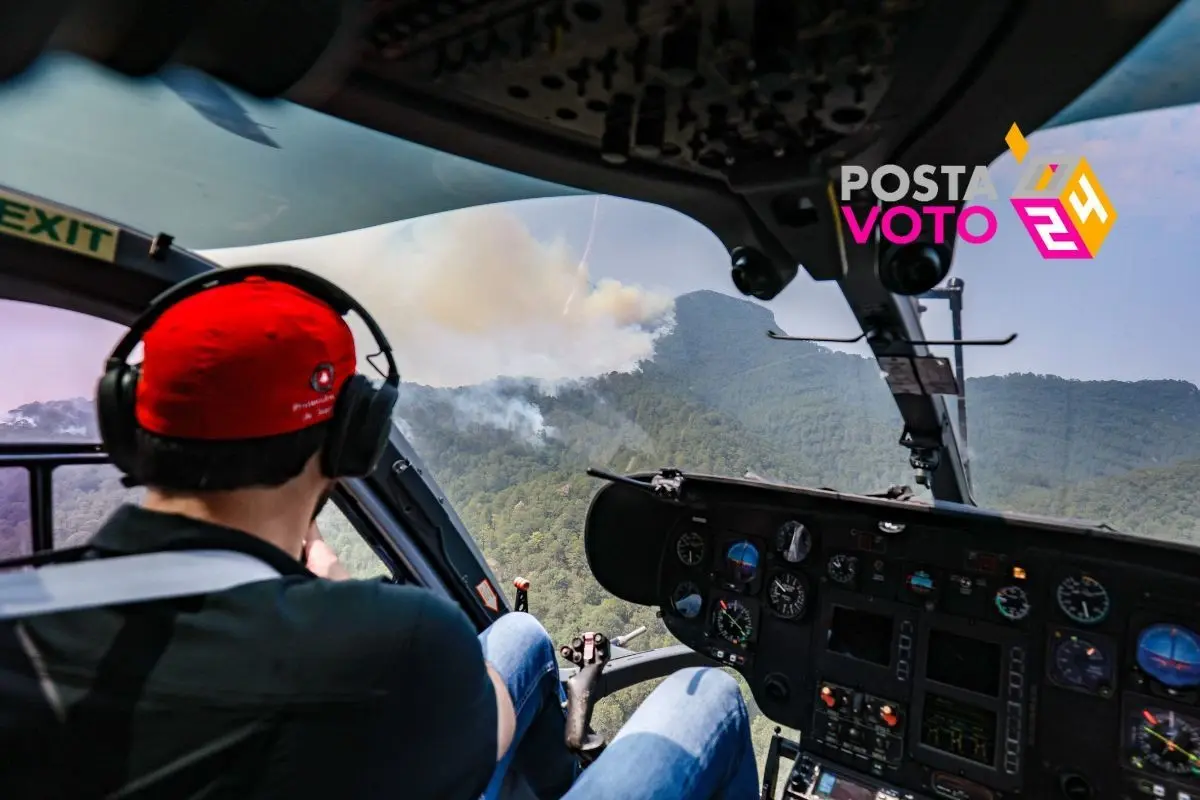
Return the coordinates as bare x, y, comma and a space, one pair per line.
589, 226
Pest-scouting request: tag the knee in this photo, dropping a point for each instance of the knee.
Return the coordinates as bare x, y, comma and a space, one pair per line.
713, 688
522, 631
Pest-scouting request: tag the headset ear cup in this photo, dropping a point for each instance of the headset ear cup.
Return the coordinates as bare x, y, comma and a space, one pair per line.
340, 439
116, 413
362, 419
376, 427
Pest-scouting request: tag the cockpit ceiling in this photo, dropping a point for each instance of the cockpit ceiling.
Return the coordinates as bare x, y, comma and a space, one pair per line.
696, 86
1161, 72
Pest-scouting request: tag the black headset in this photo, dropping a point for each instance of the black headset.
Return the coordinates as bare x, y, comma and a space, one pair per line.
362, 414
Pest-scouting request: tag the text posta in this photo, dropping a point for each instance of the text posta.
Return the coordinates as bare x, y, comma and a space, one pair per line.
892, 184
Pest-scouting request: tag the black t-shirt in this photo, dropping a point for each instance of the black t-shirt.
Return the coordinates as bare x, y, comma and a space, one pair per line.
294, 688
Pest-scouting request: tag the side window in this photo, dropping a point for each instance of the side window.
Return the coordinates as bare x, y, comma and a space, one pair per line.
50, 380
84, 496
15, 536
47, 398
352, 550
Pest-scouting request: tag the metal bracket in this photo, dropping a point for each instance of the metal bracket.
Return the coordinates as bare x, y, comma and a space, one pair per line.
924, 455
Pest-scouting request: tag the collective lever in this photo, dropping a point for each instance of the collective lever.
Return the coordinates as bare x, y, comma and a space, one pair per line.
589, 652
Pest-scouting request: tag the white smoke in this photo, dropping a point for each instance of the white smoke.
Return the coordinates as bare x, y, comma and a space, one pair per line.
471, 296
483, 405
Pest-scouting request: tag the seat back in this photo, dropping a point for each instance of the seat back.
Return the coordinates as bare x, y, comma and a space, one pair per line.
31, 712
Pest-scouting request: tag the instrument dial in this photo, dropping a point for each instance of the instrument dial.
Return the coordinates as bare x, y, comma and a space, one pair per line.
793, 542
690, 548
787, 595
733, 622
1082, 664
1167, 742
687, 600
1083, 599
842, 568
741, 562
1013, 603
1170, 654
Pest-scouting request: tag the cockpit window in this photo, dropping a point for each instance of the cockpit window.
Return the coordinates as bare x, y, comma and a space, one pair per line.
1094, 411
51, 376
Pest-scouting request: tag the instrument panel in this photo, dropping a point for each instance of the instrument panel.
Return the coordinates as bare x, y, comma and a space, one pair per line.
969, 656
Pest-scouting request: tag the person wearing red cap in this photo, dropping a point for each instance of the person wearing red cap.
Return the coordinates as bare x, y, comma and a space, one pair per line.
297, 687
302, 687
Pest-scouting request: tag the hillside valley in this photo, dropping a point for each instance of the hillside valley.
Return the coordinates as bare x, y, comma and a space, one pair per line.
718, 397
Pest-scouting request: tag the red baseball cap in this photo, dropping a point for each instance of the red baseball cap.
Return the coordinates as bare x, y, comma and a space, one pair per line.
243, 361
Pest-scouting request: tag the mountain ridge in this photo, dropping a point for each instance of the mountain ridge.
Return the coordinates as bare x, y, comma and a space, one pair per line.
801, 412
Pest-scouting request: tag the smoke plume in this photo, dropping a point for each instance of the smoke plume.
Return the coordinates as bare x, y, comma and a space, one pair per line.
485, 405
470, 296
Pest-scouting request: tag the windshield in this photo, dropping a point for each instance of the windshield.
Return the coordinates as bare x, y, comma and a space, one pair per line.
1093, 412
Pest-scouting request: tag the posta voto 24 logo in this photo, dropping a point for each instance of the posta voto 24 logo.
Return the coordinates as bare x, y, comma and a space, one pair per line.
1058, 199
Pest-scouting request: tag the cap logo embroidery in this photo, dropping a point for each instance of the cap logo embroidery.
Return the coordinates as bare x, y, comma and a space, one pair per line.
322, 378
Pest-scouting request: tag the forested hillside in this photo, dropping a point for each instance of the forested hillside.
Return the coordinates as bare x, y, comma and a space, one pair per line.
718, 397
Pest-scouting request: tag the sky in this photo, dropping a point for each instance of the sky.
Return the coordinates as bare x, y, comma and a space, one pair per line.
137, 153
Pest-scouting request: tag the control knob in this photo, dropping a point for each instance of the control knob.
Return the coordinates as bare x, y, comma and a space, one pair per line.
777, 688
1075, 787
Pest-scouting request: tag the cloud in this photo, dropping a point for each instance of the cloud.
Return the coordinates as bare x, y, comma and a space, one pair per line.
470, 296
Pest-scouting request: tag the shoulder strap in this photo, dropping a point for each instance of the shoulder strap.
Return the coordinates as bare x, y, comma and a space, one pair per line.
126, 579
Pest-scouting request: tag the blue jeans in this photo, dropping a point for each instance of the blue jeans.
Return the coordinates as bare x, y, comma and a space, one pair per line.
689, 740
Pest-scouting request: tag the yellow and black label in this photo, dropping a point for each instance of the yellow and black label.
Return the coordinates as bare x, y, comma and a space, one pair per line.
39, 222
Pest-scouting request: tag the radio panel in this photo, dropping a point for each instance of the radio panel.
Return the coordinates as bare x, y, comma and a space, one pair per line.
861, 726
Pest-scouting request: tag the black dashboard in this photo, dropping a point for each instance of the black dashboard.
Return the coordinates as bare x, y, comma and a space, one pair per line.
929, 650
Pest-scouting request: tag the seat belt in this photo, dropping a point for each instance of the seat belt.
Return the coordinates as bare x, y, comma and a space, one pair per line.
117, 580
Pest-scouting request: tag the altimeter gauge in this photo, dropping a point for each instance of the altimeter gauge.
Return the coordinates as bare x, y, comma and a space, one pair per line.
787, 595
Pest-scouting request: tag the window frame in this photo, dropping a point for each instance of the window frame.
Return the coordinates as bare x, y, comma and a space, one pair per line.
39, 462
